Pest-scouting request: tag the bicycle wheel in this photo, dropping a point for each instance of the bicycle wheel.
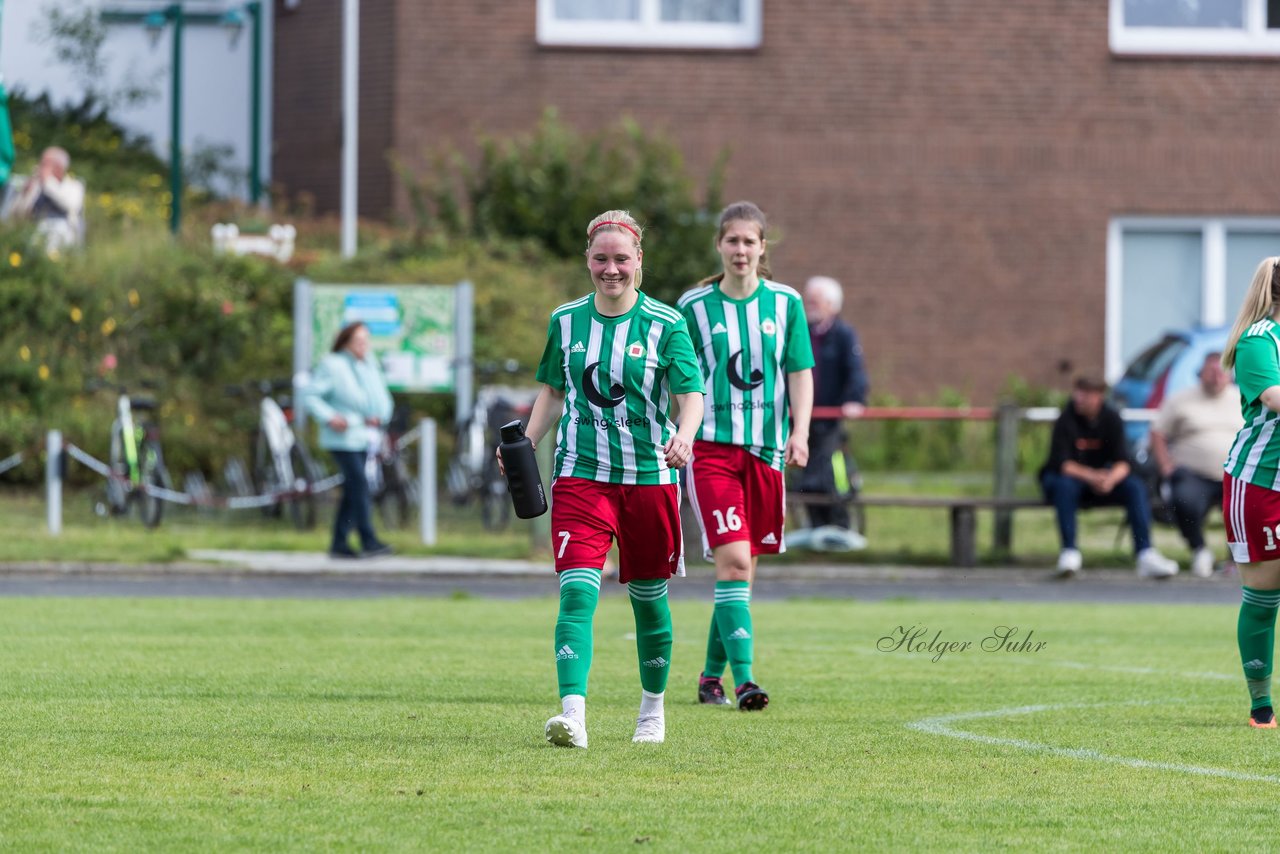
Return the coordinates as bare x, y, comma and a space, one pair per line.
495, 504
302, 504
266, 479
237, 477
150, 507
117, 502
398, 495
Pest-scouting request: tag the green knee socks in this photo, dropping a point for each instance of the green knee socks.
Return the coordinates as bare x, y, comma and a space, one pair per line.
579, 593
1256, 634
653, 632
732, 617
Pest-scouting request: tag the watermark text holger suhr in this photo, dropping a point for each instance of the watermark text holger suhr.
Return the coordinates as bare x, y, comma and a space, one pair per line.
919, 639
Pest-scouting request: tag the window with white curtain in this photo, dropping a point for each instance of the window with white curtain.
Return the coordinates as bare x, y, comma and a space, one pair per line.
1178, 273
1196, 27
723, 24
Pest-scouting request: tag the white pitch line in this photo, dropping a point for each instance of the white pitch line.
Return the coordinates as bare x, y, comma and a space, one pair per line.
941, 725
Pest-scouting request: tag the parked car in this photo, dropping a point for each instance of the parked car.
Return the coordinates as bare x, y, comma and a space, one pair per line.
1166, 367
1163, 369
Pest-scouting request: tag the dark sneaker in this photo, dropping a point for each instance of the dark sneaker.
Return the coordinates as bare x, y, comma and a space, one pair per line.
751, 697
377, 550
1263, 717
711, 691
343, 553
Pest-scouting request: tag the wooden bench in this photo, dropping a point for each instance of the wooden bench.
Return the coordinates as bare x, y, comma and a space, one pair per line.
963, 511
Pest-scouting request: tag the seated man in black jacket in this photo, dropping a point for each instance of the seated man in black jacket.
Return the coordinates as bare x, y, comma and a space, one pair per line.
839, 379
1089, 465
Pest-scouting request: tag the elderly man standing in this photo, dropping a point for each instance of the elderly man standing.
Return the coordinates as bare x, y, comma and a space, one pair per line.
839, 379
1190, 439
53, 199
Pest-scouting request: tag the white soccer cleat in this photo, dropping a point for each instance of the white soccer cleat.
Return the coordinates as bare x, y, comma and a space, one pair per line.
564, 731
1152, 564
650, 729
1069, 562
1202, 563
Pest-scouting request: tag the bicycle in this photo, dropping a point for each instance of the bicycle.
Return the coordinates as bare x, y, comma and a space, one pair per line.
848, 485
135, 458
473, 472
282, 465
391, 486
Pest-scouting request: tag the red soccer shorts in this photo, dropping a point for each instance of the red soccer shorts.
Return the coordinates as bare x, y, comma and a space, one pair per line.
736, 496
1252, 517
587, 516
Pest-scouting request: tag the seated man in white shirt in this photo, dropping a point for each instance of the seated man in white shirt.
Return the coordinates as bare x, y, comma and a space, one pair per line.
53, 199
1190, 439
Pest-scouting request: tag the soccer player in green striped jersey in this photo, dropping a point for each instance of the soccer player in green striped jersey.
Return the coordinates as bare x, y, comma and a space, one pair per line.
1251, 484
614, 363
752, 341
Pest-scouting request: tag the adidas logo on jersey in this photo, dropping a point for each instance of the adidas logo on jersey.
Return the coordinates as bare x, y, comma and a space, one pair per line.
577, 347
740, 633
718, 329
1254, 664
565, 652
769, 539
658, 662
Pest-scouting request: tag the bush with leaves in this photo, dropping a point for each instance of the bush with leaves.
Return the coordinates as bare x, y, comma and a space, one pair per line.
547, 185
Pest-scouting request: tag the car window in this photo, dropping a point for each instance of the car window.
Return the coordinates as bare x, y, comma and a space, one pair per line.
1151, 362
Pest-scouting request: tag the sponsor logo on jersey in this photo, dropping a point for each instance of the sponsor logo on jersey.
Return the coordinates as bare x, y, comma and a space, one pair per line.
742, 406
735, 376
577, 347
605, 401
769, 539
637, 421
719, 329
740, 633
636, 350
767, 326
565, 652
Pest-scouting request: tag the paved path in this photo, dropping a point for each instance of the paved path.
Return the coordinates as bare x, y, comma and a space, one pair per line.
314, 575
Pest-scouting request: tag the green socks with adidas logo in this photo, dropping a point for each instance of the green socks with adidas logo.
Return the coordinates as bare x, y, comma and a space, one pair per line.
1256, 634
733, 618
579, 593
653, 632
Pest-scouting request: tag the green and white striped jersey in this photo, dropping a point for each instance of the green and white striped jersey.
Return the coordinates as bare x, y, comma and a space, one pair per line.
746, 348
618, 375
1255, 454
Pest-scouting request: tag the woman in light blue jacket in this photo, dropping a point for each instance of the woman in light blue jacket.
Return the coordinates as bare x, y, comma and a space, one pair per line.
348, 396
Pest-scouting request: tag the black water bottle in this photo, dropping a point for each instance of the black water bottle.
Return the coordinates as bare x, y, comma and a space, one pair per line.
523, 480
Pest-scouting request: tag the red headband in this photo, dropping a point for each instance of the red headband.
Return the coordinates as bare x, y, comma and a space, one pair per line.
600, 225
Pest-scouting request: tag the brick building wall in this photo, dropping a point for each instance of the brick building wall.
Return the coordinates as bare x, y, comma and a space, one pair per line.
955, 164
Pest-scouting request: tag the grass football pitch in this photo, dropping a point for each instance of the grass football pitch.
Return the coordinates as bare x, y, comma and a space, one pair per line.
416, 724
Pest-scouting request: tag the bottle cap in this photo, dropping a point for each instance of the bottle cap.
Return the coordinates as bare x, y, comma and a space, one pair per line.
512, 432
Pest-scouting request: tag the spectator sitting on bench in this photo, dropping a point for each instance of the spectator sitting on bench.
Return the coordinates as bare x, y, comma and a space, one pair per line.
1190, 438
1088, 466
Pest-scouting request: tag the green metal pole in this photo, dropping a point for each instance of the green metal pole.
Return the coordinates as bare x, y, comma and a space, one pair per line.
255, 102
174, 13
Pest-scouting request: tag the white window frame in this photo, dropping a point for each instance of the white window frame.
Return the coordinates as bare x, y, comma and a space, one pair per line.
1253, 39
1214, 310
650, 30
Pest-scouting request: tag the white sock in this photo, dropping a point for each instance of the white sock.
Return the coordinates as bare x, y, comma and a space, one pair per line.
650, 704
575, 706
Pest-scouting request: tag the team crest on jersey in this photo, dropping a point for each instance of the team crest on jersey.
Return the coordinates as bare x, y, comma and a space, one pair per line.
768, 327
636, 350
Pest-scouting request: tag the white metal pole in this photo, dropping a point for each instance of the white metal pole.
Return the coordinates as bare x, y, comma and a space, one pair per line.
427, 480
350, 121
53, 480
